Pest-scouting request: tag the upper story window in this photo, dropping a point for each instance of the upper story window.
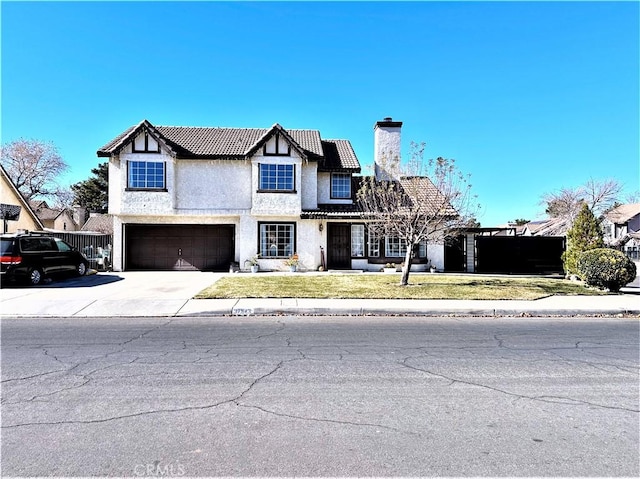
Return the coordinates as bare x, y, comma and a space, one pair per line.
146, 175
341, 185
144, 143
276, 177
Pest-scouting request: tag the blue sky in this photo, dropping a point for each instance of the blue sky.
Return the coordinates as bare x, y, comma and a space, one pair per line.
527, 97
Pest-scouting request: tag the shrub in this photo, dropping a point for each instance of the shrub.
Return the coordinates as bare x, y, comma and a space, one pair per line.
606, 268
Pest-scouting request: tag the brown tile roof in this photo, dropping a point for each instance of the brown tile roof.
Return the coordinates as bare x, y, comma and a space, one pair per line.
425, 192
338, 155
238, 143
420, 188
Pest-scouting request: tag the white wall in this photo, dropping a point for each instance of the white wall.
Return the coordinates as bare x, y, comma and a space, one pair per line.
213, 185
310, 185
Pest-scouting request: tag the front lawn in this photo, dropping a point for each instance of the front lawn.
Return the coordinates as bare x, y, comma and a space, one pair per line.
384, 286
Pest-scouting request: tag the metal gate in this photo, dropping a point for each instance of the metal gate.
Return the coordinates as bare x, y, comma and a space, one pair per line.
519, 254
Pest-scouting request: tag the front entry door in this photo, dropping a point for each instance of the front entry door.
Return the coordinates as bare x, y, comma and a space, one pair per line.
338, 246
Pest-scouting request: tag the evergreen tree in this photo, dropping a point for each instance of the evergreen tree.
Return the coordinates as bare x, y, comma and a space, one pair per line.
585, 234
93, 193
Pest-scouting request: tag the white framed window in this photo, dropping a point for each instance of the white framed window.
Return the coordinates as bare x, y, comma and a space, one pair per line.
276, 177
341, 185
422, 249
395, 247
357, 240
277, 240
146, 174
374, 245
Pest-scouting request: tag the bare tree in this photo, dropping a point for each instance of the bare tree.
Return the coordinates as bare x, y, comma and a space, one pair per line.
599, 196
34, 166
428, 201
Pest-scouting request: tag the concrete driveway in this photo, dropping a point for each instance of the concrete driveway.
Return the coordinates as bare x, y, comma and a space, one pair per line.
108, 294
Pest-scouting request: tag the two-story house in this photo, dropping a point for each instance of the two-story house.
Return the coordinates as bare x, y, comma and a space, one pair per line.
186, 198
621, 228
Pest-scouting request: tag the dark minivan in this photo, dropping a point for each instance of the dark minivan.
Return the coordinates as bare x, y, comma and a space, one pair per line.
30, 257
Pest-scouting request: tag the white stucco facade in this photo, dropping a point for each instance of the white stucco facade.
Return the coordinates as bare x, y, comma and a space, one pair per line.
226, 191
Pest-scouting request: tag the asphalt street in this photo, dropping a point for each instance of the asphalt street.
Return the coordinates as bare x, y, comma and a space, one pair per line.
320, 396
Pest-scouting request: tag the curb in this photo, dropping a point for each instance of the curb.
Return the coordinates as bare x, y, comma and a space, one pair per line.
359, 311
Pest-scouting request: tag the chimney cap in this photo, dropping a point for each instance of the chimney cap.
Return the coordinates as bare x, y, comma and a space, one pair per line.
389, 123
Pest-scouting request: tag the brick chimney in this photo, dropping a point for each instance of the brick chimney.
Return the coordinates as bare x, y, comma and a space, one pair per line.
386, 149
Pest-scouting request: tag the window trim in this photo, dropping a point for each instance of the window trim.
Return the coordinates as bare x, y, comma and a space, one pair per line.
349, 179
146, 145
293, 178
277, 137
402, 244
364, 240
146, 188
378, 249
294, 233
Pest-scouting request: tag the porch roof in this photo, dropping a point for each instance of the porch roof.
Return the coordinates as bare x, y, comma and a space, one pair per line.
335, 211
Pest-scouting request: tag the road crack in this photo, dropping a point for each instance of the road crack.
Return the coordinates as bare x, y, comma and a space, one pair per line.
541, 398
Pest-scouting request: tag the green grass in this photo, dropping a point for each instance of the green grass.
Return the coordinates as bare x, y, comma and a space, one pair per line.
383, 286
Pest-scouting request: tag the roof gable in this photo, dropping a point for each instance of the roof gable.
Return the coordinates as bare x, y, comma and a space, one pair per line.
116, 145
16, 193
239, 144
276, 129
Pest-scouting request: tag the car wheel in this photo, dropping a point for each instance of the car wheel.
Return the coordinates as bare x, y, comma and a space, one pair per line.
81, 269
35, 277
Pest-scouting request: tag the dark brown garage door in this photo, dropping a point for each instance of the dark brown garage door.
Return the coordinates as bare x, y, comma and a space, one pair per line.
179, 247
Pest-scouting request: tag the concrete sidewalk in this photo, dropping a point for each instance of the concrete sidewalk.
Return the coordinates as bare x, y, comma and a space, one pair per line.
169, 294
550, 306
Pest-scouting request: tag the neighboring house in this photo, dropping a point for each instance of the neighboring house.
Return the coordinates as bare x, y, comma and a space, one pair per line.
203, 198
621, 228
547, 227
100, 223
57, 219
16, 211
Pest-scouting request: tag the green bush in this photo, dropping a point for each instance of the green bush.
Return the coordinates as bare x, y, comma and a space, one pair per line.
606, 268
